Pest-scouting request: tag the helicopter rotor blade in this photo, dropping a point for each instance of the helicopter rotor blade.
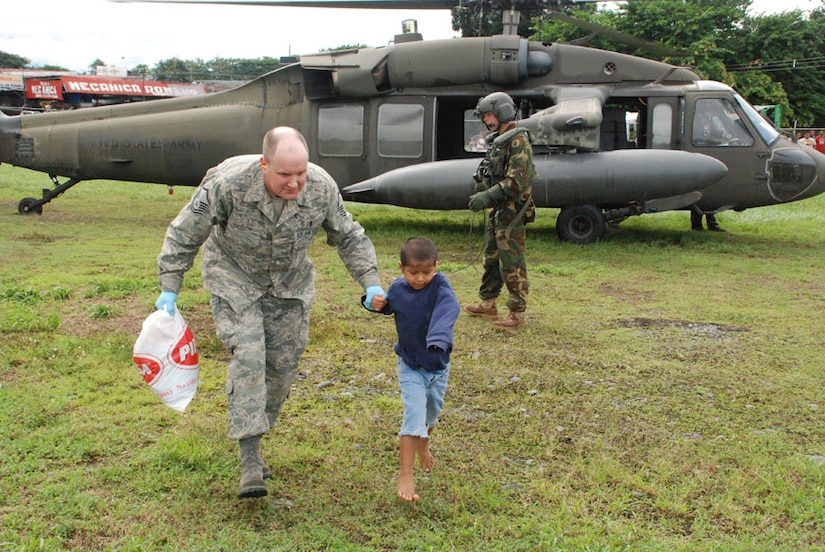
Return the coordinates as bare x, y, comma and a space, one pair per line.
551, 10
617, 36
357, 4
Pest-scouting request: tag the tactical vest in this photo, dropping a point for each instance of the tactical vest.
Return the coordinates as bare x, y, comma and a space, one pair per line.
497, 156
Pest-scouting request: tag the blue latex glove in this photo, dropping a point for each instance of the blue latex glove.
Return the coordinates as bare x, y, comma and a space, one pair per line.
166, 302
372, 291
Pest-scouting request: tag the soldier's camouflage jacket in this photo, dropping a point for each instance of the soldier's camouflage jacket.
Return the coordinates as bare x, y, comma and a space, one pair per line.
247, 249
510, 158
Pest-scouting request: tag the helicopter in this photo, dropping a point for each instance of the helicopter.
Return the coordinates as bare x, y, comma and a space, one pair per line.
614, 135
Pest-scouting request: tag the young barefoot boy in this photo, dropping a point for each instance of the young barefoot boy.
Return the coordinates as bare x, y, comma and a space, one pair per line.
425, 309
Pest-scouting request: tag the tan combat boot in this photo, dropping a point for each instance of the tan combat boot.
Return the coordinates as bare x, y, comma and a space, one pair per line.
486, 309
252, 480
514, 320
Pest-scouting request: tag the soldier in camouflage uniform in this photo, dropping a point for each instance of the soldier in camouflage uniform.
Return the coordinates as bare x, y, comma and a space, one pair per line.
505, 184
256, 216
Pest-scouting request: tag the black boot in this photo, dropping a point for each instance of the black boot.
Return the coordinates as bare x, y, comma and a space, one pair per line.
695, 220
713, 225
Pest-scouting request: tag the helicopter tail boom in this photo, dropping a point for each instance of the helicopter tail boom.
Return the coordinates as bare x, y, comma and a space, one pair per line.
9, 129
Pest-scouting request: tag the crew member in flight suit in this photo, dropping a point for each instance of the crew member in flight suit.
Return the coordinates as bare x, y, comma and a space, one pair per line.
506, 187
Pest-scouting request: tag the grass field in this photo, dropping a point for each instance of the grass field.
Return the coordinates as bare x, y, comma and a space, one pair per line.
667, 394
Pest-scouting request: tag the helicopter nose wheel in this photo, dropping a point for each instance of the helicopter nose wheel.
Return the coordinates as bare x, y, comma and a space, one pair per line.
580, 224
30, 205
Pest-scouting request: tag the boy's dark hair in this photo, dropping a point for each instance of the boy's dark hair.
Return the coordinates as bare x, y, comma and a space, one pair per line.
418, 250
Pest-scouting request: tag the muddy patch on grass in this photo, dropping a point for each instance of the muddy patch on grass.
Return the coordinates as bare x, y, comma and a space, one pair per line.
708, 329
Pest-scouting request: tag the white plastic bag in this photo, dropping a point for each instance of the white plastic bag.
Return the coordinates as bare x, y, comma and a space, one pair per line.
167, 357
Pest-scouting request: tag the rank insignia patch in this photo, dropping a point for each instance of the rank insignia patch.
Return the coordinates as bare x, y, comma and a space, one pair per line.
200, 201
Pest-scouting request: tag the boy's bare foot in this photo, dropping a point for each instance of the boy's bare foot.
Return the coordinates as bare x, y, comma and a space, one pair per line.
427, 461
406, 488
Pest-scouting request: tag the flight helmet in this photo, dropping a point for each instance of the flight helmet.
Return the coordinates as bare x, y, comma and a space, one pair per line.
500, 104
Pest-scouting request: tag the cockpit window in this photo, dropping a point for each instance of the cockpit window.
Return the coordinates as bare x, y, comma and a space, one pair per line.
766, 131
716, 123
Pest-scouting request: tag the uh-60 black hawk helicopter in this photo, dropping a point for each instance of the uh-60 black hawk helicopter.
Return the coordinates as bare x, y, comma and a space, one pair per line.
614, 135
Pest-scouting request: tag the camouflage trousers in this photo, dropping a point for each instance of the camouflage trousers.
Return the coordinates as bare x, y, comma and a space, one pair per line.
266, 341
505, 263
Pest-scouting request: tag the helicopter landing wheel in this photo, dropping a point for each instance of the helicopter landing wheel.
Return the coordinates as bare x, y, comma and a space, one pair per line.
580, 224
30, 205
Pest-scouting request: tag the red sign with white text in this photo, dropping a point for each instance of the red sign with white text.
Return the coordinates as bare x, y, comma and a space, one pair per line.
44, 89
53, 89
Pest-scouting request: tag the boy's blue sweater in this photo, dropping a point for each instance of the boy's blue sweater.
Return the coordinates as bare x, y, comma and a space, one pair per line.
424, 320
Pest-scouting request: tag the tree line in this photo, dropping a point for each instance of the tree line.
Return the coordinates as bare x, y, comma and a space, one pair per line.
173, 69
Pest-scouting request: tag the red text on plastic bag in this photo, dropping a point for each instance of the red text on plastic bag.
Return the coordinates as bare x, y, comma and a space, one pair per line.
167, 357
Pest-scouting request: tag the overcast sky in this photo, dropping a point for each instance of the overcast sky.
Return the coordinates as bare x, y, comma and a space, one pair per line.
73, 34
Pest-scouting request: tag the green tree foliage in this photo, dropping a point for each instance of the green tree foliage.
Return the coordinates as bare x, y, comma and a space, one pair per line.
550, 29
789, 49
141, 70
485, 17
173, 70
185, 70
345, 47
11, 61
49, 67
680, 24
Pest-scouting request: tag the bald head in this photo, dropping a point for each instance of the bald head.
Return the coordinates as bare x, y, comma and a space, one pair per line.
286, 137
284, 162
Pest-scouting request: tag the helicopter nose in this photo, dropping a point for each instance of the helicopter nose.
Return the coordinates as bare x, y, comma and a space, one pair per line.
796, 173
819, 184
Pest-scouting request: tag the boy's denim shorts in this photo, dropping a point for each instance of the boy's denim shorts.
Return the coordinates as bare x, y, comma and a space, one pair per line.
422, 393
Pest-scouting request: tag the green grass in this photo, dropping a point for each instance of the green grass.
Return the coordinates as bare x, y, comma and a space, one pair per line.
667, 394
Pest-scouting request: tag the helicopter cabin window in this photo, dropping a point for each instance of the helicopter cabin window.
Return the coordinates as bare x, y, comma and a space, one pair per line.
401, 130
474, 133
341, 130
716, 123
662, 126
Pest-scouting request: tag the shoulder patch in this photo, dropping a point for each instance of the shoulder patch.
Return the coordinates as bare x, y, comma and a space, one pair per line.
200, 201
342, 209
